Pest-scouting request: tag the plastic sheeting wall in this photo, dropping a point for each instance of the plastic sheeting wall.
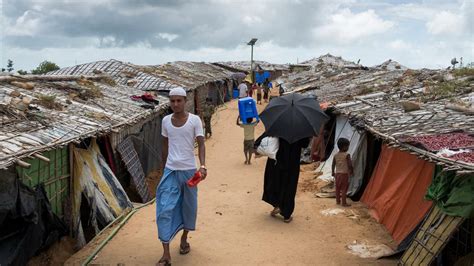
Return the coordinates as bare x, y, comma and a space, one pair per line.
357, 149
94, 179
395, 193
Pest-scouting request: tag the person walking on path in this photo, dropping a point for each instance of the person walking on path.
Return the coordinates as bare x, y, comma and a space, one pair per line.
243, 90
259, 94
342, 170
207, 111
249, 137
281, 177
266, 90
176, 203
252, 89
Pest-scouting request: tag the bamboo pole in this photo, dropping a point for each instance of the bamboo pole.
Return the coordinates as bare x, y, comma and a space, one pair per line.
23, 163
41, 157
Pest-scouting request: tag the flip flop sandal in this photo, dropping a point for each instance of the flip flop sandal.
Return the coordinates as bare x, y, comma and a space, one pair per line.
288, 220
275, 212
183, 250
165, 262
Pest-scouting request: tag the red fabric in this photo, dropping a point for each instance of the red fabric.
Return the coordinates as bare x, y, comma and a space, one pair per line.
451, 141
342, 184
395, 193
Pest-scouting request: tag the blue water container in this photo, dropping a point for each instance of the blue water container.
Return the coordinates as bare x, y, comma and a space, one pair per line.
247, 109
235, 94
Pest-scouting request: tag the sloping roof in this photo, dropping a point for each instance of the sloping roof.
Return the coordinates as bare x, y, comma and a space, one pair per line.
122, 73
384, 115
188, 74
336, 83
373, 99
245, 65
329, 59
63, 109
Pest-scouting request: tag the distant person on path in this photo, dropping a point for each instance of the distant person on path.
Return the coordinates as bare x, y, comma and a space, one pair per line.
243, 90
249, 137
342, 170
176, 202
281, 177
259, 94
207, 112
252, 89
266, 90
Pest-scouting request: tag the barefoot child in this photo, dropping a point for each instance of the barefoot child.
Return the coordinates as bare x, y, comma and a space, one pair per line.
342, 170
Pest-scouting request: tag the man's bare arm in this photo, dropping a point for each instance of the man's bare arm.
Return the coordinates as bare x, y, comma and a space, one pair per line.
202, 155
164, 152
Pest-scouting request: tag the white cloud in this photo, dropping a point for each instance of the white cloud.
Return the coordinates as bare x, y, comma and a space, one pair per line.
168, 36
26, 25
346, 27
251, 20
445, 22
413, 11
399, 45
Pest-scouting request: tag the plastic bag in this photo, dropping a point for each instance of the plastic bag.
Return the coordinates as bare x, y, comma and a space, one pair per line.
269, 147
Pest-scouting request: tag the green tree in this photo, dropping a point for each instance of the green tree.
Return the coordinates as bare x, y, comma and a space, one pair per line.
45, 67
10, 65
22, 72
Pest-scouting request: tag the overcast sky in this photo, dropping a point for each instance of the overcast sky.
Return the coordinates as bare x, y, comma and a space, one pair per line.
68, 32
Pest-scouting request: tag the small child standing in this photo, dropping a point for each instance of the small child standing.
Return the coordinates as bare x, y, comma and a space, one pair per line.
342, 170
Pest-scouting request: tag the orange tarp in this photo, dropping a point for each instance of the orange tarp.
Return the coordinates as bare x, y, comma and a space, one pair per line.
395, 193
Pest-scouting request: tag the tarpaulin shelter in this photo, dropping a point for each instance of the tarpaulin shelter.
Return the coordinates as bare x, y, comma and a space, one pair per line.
395, 193
357, 150
94, 181
27, 222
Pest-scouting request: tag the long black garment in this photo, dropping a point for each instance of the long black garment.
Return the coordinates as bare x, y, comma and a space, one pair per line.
281, 176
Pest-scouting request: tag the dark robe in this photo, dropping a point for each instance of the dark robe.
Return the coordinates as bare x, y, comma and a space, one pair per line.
281, 176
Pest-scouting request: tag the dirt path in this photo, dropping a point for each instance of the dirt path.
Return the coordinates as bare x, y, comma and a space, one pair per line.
233, 223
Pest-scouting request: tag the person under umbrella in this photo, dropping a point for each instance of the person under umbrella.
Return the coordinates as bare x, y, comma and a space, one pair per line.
294, 119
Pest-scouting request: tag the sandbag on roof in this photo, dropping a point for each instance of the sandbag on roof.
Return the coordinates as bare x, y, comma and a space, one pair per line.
395, 193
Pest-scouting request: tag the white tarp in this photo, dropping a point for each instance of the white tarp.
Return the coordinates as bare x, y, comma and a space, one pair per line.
357, 149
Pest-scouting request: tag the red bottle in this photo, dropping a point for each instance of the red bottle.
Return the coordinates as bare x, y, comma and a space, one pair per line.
193, 181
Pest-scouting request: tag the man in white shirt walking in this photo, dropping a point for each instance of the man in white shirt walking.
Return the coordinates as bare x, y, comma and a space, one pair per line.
176, 202
243, 90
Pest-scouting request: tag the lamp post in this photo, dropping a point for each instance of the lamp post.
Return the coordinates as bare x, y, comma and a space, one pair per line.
252, 43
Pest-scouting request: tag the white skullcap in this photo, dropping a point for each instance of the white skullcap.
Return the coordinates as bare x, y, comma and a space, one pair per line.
178, 91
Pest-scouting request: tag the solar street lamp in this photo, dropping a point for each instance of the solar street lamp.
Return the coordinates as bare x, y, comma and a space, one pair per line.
252, 43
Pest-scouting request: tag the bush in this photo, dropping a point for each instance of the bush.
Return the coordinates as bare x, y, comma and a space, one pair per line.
44, 68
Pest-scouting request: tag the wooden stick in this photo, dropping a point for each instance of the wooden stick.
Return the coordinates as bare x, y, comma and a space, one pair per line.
23, 163
41, 157
366, 101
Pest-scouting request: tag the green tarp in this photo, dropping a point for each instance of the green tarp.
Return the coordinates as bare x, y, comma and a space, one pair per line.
453, 193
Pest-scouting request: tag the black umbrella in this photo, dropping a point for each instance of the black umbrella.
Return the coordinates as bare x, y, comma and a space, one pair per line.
293, 117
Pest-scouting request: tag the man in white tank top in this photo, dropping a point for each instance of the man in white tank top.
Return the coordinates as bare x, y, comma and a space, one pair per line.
176, 202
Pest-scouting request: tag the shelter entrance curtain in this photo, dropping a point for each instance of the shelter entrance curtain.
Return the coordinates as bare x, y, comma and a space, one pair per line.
395, 193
